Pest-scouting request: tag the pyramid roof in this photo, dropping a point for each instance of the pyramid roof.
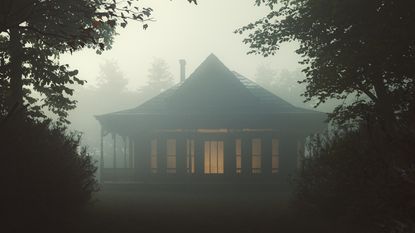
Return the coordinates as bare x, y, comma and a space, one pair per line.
214, 92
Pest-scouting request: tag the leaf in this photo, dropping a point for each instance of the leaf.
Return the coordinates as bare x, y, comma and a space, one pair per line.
101, 46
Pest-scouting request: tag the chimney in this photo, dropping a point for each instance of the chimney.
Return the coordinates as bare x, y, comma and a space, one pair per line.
182, 69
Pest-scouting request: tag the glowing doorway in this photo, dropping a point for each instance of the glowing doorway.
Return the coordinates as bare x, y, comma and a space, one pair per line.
213, 157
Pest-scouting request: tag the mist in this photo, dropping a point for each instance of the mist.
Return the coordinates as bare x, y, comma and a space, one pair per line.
207, 116
192, 34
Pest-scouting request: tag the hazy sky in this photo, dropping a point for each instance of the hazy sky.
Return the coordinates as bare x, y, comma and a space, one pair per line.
183, 30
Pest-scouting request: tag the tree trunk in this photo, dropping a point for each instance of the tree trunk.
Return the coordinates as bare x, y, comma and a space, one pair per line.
15, 97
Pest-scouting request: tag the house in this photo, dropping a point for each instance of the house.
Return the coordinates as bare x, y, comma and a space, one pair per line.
214, 125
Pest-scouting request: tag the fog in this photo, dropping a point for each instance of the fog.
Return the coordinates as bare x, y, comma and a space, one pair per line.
184, 31
178, 30
180, 127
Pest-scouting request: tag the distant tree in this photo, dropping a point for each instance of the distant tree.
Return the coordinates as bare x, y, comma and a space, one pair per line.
111, 78
265, 76
285, 84
112, 90
359, 48
159, 78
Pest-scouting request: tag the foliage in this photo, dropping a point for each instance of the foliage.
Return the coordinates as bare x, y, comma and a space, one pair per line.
34, 32
360, 179
31, 45
44, 171
69, 24
350, 48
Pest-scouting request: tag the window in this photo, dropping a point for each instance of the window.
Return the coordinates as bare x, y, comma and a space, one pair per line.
153, 159
190, 156
256, 156
213, 157
238, 155
275, 155
171, 155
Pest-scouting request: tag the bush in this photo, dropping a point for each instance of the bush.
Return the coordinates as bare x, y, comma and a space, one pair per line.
361, 180
45, 173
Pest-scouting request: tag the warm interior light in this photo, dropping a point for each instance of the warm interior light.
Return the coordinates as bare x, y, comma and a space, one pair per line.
213, 157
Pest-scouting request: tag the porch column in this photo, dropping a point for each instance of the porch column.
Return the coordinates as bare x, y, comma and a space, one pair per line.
199, 155
246, 158
266, 163
125, 151
230, 156
180, 155
114, 138
101, 159
131, 152
161, 155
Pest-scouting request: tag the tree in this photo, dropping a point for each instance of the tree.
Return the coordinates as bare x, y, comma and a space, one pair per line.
34, 32
112, 90
31, 46
46, 177
350, 48
159, 78
111, 78
365, 50
352, 179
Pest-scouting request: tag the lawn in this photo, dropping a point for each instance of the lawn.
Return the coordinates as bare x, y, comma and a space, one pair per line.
193, 208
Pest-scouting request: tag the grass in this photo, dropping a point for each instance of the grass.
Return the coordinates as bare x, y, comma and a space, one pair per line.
184, 208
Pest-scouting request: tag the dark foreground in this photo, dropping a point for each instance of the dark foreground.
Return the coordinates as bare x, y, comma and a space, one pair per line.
184, 208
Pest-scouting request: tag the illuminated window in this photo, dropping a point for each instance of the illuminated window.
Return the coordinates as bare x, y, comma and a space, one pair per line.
256, 155
153, 160
213, 157
238, 153
190, 156
171, 155
275, 155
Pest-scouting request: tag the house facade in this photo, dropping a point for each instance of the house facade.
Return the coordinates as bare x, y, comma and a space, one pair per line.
214, 125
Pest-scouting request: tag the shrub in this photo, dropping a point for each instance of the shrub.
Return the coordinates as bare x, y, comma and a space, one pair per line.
45, 172
361, 179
